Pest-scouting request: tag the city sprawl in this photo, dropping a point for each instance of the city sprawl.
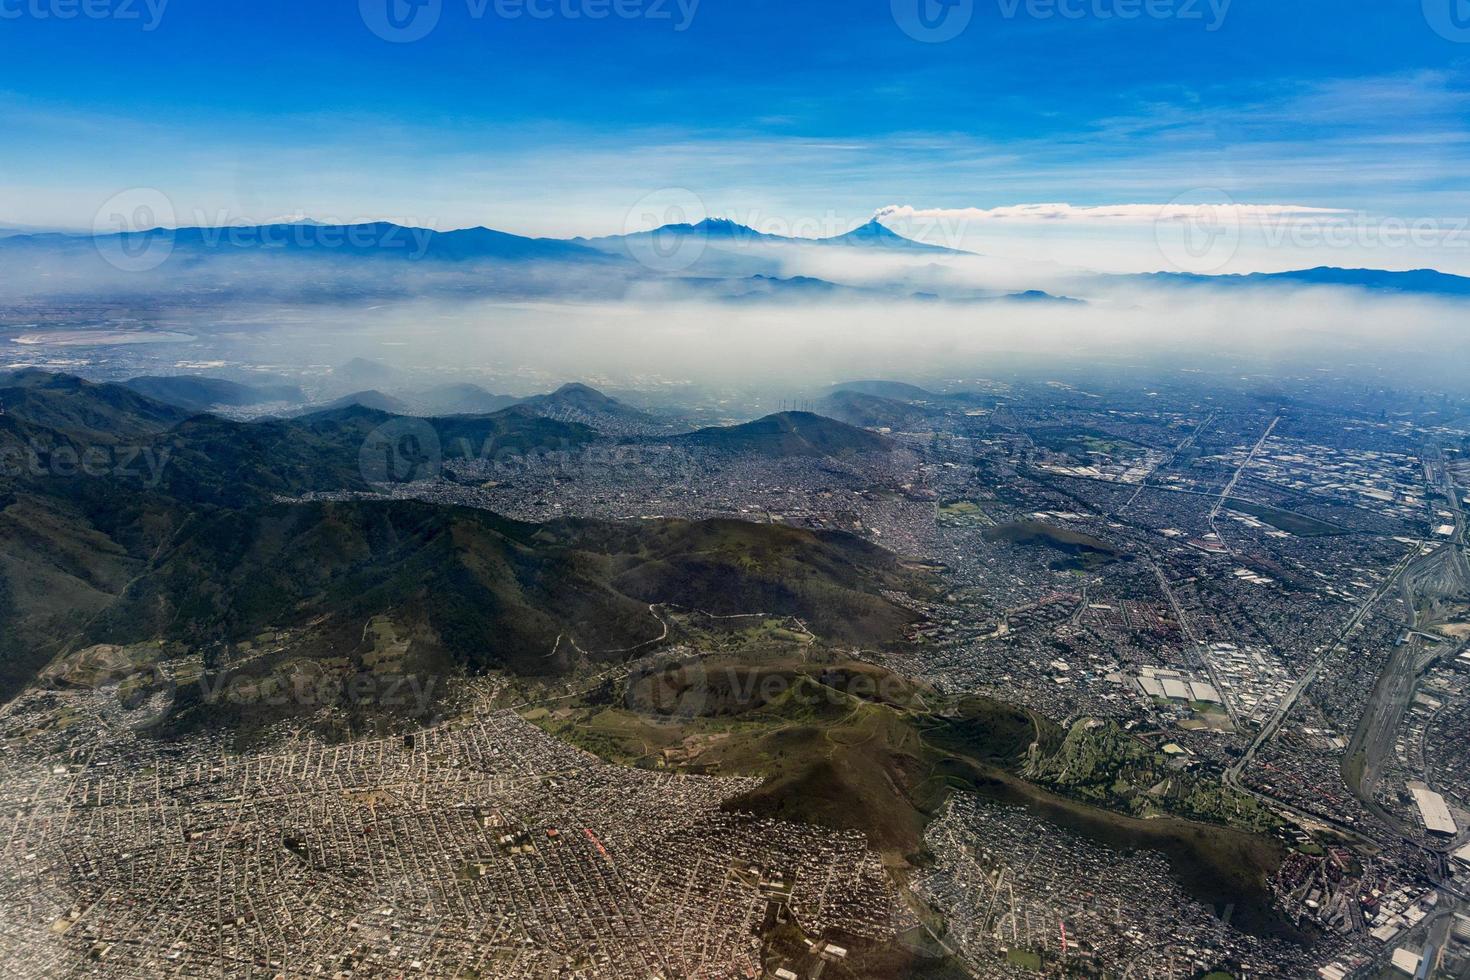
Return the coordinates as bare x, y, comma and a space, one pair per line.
1219, 609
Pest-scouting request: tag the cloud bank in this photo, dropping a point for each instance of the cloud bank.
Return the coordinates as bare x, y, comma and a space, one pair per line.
1108, 212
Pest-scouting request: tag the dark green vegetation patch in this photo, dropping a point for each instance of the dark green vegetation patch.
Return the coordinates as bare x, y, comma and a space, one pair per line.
1291, 522
1082, 551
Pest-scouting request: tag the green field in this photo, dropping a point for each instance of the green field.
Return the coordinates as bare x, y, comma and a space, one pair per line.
1284, 520
1025, 959
1083, 551
1084, 442
963, 513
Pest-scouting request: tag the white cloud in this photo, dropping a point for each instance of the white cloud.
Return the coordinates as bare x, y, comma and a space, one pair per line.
1107, 212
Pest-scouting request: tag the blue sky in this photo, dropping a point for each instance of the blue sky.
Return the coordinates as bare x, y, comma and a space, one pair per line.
808, 115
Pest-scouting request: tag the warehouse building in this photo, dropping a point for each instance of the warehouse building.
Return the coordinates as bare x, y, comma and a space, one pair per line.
1433, 810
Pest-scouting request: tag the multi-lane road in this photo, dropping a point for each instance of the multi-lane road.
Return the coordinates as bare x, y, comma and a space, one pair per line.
1423, 578
1310, 674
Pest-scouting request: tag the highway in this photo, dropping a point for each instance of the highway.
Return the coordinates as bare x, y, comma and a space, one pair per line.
1423, 578
1184, 444
1193, 641
1250, 458
1305, 681
1441, 574
1235, 480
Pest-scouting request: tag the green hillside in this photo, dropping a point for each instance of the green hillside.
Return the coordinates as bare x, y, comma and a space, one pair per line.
200, 551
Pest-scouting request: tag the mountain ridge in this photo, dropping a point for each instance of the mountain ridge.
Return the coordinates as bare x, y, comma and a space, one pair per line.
383, 239
789, 434
220, 548
873, 234
1417, 281
308, 239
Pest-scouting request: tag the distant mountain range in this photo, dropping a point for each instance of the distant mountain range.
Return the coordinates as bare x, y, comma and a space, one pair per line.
580, 400
459, 399
734, 262
387, 240
873, 411
466, 417
195, 393
721, 231
201, 394
894, 404
379, 239
371, 398
1426, 282
898, 390
8, 231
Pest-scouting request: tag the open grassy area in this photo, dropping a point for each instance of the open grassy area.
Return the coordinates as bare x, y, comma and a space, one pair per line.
1082, 552
1284, 520
1352, 769
963, 513
1025, 959
1082, 443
